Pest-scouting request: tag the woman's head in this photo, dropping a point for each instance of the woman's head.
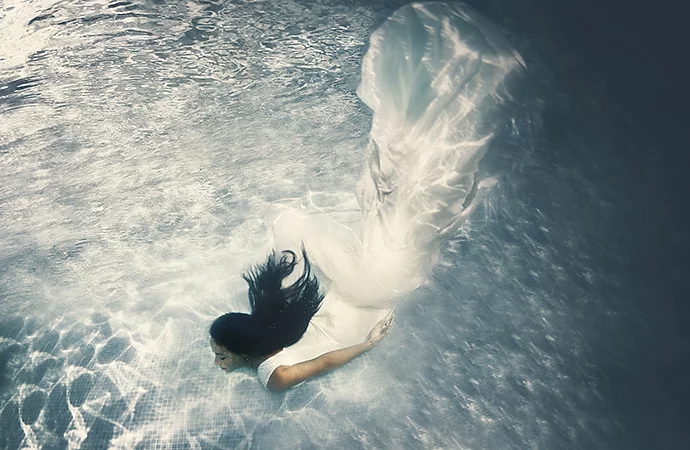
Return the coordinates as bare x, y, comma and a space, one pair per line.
225, 359
280, 315
241, 334
235, 338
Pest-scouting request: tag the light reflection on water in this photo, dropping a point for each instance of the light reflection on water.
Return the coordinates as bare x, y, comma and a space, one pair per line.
144, 147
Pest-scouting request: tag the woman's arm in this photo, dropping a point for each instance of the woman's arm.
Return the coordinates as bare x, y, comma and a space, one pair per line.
285, 377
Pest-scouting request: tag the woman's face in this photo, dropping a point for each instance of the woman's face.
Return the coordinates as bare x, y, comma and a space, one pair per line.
225, 359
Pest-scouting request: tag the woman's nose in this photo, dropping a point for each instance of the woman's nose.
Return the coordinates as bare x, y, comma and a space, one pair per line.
216, 361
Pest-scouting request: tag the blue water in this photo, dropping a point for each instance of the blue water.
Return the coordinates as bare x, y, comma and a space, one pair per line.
144, 146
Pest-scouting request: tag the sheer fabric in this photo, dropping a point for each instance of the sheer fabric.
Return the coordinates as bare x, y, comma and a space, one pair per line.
438, 79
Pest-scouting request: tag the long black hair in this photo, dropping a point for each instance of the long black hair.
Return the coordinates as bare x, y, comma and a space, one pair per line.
279, 315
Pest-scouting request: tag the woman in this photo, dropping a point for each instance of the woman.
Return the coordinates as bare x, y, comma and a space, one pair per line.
280, 316
438, 78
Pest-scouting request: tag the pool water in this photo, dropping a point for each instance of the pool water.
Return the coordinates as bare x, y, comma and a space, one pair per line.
145, 147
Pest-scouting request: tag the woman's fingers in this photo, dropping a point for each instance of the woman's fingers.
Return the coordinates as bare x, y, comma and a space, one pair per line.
386, 323
382, 328
389, 318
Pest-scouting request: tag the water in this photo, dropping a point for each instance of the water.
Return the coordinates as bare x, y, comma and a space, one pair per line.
144, 147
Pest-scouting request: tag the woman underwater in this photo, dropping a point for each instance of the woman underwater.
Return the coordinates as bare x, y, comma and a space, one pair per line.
438, 79
280, 316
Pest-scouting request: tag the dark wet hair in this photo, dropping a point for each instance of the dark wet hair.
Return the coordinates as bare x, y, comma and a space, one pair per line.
279, 316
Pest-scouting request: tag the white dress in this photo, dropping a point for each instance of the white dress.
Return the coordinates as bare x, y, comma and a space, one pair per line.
437, 77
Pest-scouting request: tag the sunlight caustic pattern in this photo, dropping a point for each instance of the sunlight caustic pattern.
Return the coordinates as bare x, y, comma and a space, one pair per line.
145, 148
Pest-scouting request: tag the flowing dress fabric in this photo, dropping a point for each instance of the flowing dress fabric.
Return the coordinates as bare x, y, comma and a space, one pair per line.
438, 78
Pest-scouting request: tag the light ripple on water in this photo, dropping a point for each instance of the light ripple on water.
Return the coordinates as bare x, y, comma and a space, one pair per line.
144, 148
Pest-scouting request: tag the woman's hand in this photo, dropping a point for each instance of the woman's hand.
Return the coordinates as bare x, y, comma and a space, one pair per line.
381, 329
285, 377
